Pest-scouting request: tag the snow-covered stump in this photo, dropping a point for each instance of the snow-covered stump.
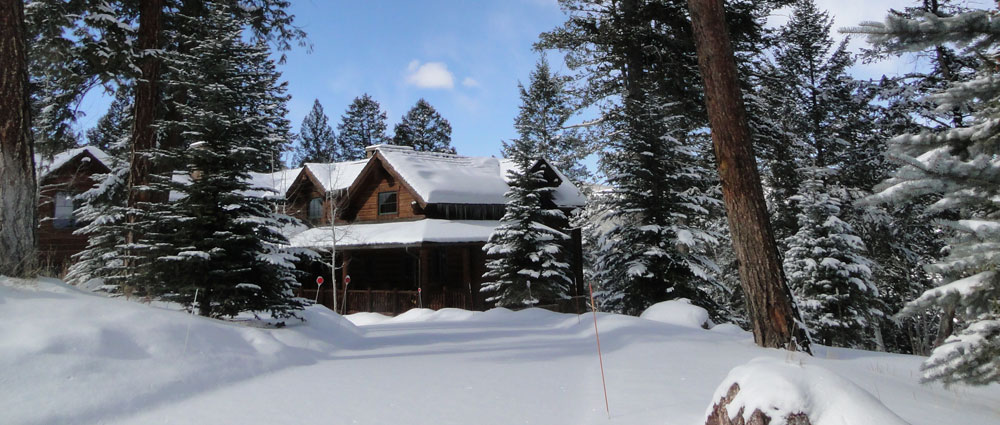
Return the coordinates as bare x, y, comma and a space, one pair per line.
719, 415
769, 391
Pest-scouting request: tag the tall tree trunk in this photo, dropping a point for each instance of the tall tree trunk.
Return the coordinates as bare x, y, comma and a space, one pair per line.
147, 99
769, 304
18, 199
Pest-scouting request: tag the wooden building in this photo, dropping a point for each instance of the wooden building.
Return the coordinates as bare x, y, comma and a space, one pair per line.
60, 179
409, 226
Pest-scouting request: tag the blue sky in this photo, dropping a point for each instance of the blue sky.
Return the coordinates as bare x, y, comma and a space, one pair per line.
464, 57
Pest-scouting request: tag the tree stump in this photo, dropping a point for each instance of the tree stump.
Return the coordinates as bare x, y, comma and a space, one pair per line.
720, 413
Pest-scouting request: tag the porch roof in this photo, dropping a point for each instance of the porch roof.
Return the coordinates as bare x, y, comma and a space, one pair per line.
397, 233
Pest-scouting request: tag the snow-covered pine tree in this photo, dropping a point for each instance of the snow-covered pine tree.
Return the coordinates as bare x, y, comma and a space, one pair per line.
957, 167
117, 122
106, 258
901, 237
215, 237
655, 247
641, 73
362, 125
826, 267
818, 114
548, 101
62, 69
527, 264
316, 138
265, 100
424, 129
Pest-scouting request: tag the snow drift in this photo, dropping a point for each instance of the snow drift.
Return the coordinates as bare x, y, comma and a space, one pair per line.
779, 389
67, 356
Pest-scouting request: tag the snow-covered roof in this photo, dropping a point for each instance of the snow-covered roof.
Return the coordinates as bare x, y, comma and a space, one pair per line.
336, 175
455, 179
400, 233
435, 177
279, 181
44, 166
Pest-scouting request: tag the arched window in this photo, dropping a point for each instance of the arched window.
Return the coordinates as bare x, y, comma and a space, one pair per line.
315, 209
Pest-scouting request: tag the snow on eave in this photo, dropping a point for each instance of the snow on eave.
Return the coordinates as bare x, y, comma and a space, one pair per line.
334, 176
442, 178
44, 167
397, 233
566, 194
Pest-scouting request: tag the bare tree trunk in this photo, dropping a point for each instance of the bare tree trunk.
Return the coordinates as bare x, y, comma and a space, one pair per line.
147, 99
18, 199
769, 302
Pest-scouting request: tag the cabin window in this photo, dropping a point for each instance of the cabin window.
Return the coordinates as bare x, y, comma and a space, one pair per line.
63, 218
315, 209
387, 203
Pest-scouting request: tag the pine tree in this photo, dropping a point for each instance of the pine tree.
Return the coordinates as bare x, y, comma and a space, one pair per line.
956, 166
549, 108
107, 257
265, 104
819, 115
826, 268
656, 248
114, 124
316, 138
362, 125
527, 265
641, 72
215, 237
901, 236
424, 129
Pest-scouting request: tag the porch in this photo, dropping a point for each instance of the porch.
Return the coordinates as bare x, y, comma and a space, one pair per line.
393, 280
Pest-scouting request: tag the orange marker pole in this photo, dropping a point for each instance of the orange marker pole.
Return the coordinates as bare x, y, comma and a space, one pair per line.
600, 357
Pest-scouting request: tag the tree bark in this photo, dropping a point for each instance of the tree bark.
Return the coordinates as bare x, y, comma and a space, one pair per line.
769, 304
946, 326
147, 99
18, 195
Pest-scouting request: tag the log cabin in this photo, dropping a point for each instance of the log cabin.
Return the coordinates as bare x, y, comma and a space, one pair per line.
60, 179
409, 227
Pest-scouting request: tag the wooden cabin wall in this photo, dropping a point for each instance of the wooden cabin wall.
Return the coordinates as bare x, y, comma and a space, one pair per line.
383, 181
56, 246
297, 204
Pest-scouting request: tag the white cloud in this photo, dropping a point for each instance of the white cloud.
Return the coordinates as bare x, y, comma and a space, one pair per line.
470, 82
430, 75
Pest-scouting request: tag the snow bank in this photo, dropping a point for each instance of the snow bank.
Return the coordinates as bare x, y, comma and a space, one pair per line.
68, 356
779, 388
679, 312
364, 319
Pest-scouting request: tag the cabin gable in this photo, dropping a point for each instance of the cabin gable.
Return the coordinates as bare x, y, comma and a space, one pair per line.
303, 194
380, 181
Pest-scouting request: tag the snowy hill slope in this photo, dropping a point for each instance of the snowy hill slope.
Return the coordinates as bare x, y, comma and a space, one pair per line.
72, 357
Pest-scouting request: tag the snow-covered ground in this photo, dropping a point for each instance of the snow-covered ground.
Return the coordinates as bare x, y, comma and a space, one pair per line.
67, 356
